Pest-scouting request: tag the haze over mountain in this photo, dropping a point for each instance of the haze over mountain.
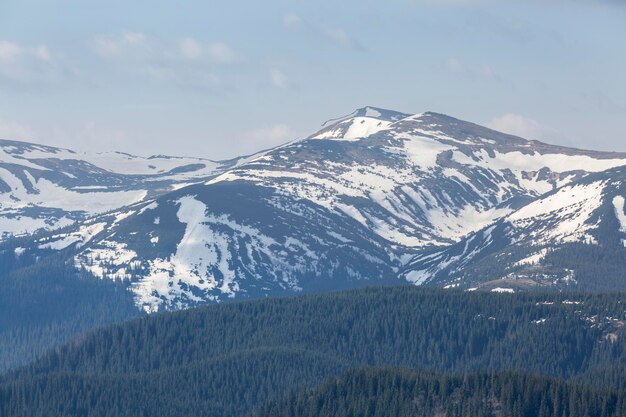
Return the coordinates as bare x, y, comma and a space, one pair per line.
377, 196
43, 187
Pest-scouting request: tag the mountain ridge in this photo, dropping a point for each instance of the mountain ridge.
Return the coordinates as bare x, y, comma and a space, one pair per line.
586, 212
45, 187
357, 202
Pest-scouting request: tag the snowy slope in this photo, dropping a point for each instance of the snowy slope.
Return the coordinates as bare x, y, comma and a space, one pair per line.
370, 196
423, 180
358, 124
542, 243
43, 187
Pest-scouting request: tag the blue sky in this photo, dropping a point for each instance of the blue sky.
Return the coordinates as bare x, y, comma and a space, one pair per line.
219, 79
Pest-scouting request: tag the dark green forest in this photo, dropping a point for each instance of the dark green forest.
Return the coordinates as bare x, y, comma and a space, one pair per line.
407, 393
599, 268
48, 304
231, 359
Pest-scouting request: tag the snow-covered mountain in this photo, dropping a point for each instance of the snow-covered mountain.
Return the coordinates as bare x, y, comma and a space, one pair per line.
575, 235
44, 188
371, 196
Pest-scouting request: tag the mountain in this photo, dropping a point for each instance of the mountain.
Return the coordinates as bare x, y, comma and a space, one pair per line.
358, 124
48, 304
229, 359
371, 196
45, 188
573, 236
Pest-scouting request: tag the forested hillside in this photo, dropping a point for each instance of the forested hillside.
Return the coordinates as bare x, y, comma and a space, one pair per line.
404, 393
48, 304
229, 359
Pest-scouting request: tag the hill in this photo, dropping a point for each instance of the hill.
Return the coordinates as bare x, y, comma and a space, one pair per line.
229, 359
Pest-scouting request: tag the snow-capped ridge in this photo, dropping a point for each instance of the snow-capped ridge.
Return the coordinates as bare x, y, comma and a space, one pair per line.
373, 194
588, 212
45, 187
371, 112
359, 124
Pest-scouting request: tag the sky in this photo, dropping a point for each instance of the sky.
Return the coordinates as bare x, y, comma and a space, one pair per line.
218, 79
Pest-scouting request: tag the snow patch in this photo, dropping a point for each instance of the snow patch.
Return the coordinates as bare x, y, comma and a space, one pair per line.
533, 259
81, 237
502, 290
618, 205
205, 260
354, 128
565, 214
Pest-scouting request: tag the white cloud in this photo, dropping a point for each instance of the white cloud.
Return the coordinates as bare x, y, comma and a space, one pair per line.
190, 49
336, 35
222, 53
43, 53
15, 131
266, 137
292, 20
22, 65
85, 135
340, 37
112, 45
483, 70
486, 71
454, 66
185, 78
279, 79
217, 52
518, 125
186, 63
9, 51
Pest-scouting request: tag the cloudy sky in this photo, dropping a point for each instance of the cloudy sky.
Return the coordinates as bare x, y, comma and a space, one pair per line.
218, 79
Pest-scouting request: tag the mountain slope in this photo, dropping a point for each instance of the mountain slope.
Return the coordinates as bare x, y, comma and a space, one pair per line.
351, 204
43, 187
228, 359
574, 235
48, 304
375, 392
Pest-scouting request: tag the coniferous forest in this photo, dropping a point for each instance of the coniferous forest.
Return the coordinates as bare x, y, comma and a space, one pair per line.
399, 351
404, 393
48, 304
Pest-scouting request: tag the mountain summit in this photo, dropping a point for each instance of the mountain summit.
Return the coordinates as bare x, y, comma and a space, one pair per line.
371, 197
358, 124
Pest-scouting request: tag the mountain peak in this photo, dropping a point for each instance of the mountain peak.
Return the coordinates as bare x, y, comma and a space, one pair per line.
379, 113
370, 112
366, 196
360, 123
